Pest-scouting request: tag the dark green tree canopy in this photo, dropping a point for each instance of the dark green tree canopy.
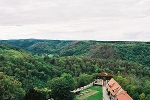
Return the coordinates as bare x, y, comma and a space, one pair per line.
61, 87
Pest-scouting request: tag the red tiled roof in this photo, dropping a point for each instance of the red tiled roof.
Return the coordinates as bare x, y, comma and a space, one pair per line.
123, 96
113, 87
116, 90
105, 74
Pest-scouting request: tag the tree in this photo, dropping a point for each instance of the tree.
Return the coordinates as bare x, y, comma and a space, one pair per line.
122, 81
83, 80
35, 95
10, 89
60, 89
147, 97
135, 96
70, 79
142, 96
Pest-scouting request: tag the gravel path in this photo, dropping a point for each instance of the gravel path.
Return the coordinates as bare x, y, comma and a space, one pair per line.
105, 96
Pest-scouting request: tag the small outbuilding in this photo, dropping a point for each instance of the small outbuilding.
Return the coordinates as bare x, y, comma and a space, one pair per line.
104, 76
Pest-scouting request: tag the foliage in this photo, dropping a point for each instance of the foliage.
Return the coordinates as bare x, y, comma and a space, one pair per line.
61, 87
37, 94
137, 52
10, 88
34, 63
83, 80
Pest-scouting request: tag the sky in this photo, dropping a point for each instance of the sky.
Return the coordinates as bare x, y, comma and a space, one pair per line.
102, 20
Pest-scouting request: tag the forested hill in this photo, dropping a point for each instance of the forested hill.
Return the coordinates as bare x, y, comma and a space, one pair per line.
43, 69
129, 51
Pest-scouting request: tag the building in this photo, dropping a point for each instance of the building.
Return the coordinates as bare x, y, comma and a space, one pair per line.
104, 76
123, 96
116, 92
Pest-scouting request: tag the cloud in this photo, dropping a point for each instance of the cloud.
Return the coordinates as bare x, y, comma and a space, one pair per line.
50, 11
75, 19
137, 36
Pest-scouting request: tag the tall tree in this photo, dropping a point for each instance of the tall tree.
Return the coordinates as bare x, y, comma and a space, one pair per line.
83, 80
60, 88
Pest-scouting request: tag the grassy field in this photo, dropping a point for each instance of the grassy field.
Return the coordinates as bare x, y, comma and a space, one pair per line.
93, 93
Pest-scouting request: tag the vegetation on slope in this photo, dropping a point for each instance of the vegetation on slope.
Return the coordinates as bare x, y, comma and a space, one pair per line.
37, 70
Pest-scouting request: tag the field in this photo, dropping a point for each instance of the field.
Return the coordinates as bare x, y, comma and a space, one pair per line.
93, 93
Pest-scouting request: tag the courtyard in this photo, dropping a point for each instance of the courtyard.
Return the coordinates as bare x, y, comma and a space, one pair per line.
92, 93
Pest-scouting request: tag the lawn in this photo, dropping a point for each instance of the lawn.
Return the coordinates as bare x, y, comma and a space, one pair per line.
93, 93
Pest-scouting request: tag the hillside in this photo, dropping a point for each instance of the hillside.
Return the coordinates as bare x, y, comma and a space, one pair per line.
129, 51
35, 64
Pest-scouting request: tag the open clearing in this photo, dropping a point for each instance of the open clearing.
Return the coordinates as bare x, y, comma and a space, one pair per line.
93, 93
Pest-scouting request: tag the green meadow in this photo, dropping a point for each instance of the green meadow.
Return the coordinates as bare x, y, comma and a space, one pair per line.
93, 93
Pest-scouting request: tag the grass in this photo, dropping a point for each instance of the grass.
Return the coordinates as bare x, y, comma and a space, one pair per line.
93, 93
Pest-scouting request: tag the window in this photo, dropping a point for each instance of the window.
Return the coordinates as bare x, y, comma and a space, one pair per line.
110, 85
115, 89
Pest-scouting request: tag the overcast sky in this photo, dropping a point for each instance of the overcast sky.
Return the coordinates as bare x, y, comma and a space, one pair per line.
127, 20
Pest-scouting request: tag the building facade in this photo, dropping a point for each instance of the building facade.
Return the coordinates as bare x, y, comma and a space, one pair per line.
116, 92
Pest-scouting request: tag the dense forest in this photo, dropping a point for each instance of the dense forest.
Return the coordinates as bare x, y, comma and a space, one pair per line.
33, 69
